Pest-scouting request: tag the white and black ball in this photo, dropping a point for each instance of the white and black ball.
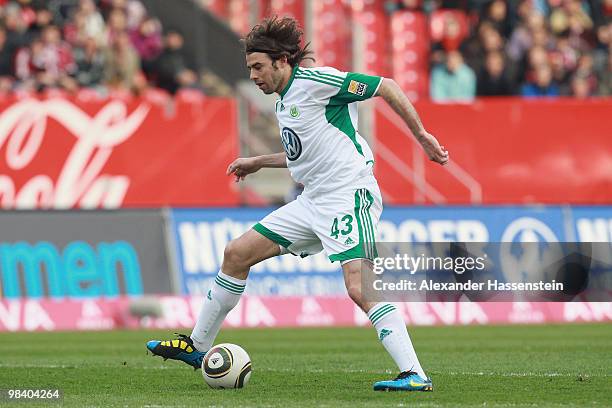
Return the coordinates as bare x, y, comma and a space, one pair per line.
226, 366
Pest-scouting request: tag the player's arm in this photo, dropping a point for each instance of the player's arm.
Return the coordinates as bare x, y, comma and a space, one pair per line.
390, 91
243, 166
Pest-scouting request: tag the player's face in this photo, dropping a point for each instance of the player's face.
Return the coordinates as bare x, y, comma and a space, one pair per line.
266, 74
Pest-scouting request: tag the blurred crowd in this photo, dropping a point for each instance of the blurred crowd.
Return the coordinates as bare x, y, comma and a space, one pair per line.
531, 48
106, 45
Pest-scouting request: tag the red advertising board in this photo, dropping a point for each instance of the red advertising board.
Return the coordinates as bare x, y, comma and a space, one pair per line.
506, 150
78, 152
61, 152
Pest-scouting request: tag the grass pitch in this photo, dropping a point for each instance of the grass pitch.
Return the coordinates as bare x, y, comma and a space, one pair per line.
514, 366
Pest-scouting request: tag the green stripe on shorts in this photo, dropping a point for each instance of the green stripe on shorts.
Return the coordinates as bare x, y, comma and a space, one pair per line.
271, 235
366, 248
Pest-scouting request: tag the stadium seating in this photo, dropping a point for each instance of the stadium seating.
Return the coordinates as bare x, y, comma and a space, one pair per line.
332, 35
449, 27
411, 53
374, 23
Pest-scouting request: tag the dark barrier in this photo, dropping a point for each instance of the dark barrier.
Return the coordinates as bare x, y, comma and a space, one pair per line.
83, 254
209, 43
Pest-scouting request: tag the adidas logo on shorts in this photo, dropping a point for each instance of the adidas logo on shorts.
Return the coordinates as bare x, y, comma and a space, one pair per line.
349, 241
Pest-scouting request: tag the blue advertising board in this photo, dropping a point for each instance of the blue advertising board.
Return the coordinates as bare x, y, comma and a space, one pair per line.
82, 254
201, 235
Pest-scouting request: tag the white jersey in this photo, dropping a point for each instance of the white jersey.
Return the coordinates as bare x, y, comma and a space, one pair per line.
317, 117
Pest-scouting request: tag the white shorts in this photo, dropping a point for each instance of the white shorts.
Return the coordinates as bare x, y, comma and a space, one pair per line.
343, 223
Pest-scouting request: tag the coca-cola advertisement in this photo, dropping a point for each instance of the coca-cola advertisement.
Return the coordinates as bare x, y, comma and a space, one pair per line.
65, 153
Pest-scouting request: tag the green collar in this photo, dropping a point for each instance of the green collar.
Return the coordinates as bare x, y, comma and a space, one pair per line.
286, 89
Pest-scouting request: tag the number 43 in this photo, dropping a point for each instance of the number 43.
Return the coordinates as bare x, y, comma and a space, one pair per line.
346, 229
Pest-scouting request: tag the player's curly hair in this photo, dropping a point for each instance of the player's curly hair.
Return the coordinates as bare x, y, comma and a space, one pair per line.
278, 37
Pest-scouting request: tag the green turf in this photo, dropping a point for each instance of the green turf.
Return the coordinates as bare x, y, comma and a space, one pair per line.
470, 366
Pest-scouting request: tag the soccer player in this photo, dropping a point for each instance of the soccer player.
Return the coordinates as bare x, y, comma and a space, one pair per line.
341, 204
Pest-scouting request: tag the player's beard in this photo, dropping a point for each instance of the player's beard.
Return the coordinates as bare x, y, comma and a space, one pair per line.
275, 79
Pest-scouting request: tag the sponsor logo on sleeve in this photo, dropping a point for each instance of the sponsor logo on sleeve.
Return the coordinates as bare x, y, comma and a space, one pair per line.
357, 88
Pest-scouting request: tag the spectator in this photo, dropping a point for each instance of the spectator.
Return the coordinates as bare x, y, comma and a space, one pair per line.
536, 56
116, 25
486, 39
122, 63
43, 18
580, 87
15, 28
603, 45
133, 9
497, 15
29, 63
494, 80
25, 10
605, 78
585, 71
542, 84
88, 23
170, 69
570, 16
62, 10
90, 64
540, 37
147, 40
6, 63
46, 63
454, 81
59, 54
569, 53
561, 75
521, 39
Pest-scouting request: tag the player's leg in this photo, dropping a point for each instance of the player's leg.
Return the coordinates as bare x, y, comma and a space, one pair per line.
390, 329
229, 284
285, 230
239, 255
347, 229
278, 233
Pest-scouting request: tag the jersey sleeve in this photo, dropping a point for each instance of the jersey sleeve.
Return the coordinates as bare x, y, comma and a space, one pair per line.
356, 87
327, 85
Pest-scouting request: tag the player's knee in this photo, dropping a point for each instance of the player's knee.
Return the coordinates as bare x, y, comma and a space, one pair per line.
354, 293
235, 255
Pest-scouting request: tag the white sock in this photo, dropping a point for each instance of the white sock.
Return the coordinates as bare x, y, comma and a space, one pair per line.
221, 298
392, 332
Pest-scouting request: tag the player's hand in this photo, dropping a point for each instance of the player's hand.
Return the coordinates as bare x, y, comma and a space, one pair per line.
432, 148
243, 166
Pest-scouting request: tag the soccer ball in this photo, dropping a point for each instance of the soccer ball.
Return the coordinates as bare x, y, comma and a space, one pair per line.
226, 366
